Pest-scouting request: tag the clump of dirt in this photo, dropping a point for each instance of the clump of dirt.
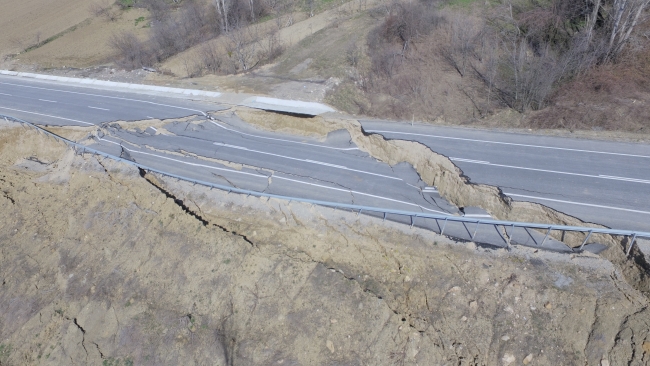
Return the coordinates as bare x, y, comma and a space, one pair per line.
72, 133
158, 124
110, 264
316, 127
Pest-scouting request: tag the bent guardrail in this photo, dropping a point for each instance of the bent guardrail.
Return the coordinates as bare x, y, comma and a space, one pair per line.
631, 234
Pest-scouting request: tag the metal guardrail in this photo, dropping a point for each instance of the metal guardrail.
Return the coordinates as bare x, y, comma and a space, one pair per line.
633, 235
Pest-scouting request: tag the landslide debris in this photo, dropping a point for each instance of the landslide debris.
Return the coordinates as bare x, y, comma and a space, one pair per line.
100, 264
439, 171
316, 126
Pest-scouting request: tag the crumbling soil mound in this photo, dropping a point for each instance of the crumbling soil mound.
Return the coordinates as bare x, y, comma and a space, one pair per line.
316, 126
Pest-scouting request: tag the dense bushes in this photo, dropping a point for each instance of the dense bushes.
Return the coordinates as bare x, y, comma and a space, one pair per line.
180, 25
172, 31
513, 54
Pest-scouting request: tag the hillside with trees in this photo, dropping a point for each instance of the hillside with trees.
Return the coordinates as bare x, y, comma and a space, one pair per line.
543, 64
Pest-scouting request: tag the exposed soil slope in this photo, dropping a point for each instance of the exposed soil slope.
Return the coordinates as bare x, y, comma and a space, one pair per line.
100, 262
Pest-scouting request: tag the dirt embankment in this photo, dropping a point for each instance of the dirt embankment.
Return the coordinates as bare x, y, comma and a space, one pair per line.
439, 171
100, 262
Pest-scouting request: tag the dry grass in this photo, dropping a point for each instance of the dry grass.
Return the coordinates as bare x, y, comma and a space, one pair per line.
612, 97
88, 45
28, 22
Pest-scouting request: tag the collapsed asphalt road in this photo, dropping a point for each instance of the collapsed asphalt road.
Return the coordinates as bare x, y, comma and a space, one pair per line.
228, 151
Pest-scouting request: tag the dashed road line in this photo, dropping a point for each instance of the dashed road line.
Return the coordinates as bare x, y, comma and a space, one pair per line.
600, 176
304, 160
47, 115
277, 177
510, 143
361, 193
283, 140
104, 96
577, 203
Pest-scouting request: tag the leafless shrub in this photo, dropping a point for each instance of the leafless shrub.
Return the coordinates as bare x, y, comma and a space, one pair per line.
159, 10
405, 24
270, 47
192, 67
132, 53
352, 54
193, 23
460, 46
241, 47
97, 10
210, 58
103, 11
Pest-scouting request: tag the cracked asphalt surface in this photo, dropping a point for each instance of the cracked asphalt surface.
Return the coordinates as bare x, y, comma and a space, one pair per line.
601, 182
597, 181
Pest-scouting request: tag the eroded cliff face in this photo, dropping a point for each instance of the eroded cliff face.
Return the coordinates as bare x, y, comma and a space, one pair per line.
439, 171
103, 263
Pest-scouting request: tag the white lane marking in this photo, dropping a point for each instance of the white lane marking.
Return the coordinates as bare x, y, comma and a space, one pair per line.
624, 179
511, 144
153, 128
477, 215
304, 160
278, 177
102, 109
149, 117
577, 203
49, 101
47, 115
9, 95
276, 139
361, 193
106, 96
471, 161
184, 162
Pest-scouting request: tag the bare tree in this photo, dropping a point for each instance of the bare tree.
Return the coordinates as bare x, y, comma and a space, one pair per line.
251, 3
460, 46
624, 16
103, 11
242, 47
210, 57
133, 53
223, 8
271, 47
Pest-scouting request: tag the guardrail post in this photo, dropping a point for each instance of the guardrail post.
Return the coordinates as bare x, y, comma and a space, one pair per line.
443, 227
411, 222
384, 216
546, 237
476, 228
586, 238
631, 244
